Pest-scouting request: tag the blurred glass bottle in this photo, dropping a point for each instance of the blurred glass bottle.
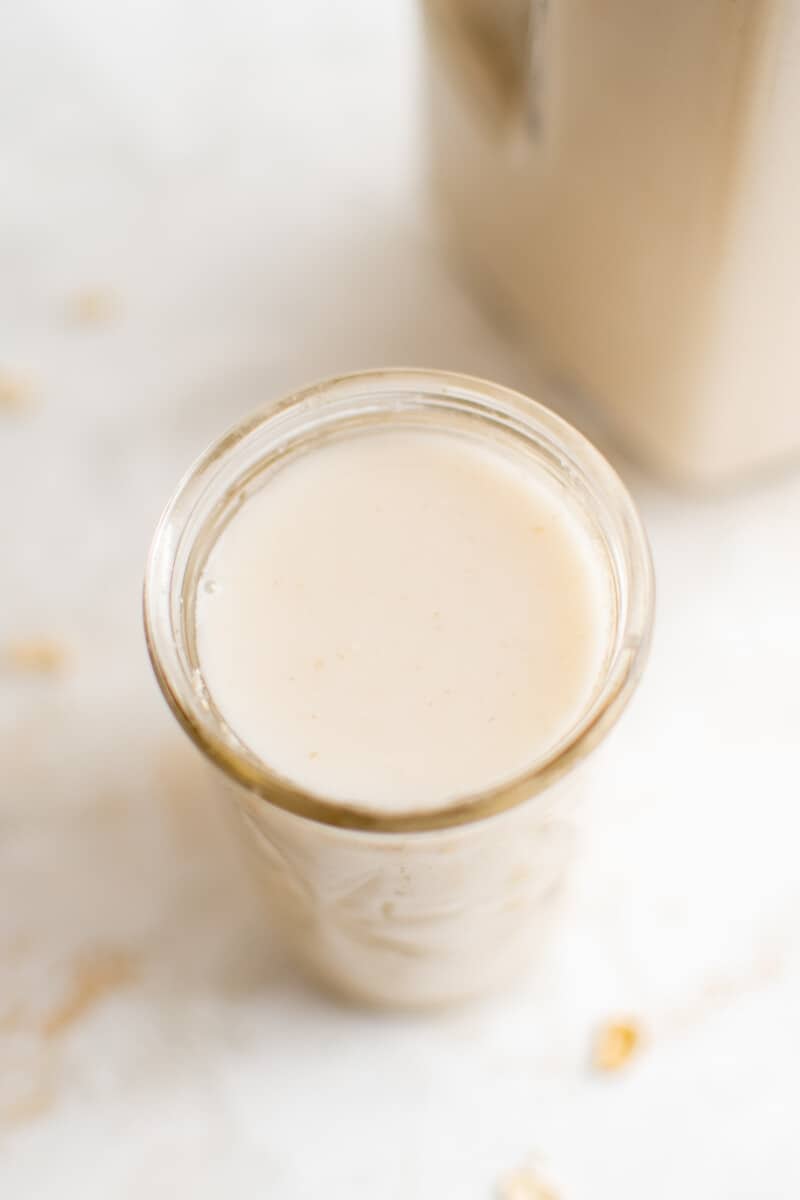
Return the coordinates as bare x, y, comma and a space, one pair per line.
624, 177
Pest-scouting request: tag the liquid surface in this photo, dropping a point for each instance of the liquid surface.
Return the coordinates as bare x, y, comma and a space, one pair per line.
400, 618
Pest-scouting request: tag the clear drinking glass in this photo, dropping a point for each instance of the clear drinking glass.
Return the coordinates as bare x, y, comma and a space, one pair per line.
434, 904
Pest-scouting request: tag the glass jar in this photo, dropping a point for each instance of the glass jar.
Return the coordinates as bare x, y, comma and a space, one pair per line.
624, 180
424, 906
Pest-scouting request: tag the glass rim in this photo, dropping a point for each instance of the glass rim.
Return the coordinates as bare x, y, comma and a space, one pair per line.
573, 453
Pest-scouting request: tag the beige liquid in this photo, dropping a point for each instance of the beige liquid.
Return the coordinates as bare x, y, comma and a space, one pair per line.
400, 618
625, 179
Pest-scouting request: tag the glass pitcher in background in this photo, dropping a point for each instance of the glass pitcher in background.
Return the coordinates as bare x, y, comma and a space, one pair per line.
624, 176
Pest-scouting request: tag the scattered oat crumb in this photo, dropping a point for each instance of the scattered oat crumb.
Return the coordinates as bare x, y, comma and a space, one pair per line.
16, 393
35, 655
319, 663
614, 1044
92, 981
313, 754
93, 306
525, 1184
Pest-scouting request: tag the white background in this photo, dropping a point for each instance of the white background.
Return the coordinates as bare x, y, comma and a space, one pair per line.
247, 180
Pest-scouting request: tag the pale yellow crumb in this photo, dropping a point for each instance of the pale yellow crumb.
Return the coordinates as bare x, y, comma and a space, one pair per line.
525, 1184
615, 1043
93, 979
35, 655
93, 306
16, 392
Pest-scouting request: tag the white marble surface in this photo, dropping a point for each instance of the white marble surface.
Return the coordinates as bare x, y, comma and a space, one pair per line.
244, 180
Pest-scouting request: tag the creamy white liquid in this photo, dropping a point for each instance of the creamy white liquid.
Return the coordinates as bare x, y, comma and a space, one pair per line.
400, 618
